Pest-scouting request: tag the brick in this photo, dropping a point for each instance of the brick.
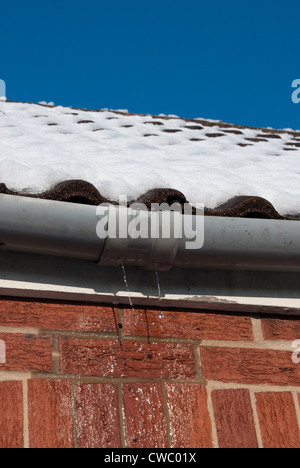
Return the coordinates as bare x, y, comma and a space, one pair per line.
50, 414
278, 420
234, 419
144, 416
11, 415
191, 325
106, 358
27, 352
249, 366
190, 424
56, 315
281, 329
97, 416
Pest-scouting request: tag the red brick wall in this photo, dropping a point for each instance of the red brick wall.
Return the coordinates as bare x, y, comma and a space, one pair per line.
180, 379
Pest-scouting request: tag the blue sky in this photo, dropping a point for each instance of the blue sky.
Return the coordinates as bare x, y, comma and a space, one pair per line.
230, 60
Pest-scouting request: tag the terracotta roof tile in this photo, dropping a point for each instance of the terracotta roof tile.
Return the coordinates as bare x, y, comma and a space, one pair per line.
80, 191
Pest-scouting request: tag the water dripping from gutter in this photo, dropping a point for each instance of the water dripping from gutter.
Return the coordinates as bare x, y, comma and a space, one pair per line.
117, 327
147, 324
125, 278
158, 284
119, 336
127, 286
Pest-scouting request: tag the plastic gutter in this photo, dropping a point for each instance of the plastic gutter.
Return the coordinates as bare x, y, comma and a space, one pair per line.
70, 230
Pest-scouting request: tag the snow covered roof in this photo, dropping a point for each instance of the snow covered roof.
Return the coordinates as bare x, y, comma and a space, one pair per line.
100, 155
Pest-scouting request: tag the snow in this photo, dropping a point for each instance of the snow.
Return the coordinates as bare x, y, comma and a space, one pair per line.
45, 103
41, 146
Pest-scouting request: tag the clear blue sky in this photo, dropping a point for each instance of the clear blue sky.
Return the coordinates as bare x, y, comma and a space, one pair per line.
225, 59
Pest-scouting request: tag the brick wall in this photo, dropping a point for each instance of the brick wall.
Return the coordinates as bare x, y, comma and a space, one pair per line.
160, 379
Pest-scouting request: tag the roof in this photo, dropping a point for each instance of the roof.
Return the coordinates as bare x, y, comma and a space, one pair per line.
85, 156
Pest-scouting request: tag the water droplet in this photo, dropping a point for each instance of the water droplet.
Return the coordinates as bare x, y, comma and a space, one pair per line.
127, 285
158, 284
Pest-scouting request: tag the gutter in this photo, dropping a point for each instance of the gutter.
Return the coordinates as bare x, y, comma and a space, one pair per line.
69, 230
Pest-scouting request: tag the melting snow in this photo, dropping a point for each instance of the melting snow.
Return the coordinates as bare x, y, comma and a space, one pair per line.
129, 154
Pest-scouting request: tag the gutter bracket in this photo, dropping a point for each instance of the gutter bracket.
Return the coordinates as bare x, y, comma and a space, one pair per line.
140, 238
